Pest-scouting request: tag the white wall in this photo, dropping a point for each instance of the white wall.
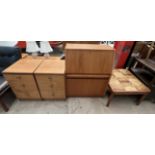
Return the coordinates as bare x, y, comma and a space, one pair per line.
8, 43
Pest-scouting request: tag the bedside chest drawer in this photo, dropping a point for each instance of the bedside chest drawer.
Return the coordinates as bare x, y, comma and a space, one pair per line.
24, 86
51, 86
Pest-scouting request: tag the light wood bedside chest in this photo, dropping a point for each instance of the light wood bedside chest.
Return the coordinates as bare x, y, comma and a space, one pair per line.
21, 80
50, 77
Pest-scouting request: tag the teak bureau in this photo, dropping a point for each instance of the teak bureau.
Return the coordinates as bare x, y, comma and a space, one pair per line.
88, 69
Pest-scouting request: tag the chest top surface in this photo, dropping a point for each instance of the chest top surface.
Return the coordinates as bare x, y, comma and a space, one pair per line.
23, 66
51, 66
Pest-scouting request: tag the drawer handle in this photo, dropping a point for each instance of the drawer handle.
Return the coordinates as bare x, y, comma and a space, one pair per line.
27, 94
50, 78
51, 85
18, 77
23, 85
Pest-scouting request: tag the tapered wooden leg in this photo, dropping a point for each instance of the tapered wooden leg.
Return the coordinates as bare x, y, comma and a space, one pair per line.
109, 99
4, 106
141, 99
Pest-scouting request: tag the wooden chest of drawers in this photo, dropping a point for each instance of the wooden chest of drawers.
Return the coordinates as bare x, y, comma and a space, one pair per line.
89, 59
21, 80
50, 77
23, 86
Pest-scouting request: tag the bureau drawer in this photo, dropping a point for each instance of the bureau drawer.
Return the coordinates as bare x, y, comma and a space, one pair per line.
24, 86
86, 87
51, 86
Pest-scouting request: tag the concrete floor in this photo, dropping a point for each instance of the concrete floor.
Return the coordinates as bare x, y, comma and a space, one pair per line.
119, 105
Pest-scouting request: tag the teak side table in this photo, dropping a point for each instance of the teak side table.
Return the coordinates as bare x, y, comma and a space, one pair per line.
123, 82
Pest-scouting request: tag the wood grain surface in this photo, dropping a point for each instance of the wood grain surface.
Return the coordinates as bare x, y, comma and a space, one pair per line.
123, 81
89, 59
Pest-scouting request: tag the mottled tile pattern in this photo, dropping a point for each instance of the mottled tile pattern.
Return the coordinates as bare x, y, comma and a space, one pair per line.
87, 105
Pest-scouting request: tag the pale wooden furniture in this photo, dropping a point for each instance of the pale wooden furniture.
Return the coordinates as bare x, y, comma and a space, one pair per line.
50, 77
24, 55
33, 57
123, 82
37, 78
88, 69
80, 42
21, 80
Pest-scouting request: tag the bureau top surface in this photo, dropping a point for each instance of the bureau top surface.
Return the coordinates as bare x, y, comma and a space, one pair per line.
51, 66
23, 66
95, 47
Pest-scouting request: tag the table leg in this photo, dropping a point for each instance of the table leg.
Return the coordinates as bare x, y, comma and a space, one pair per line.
141, 99
109, 99
5, 107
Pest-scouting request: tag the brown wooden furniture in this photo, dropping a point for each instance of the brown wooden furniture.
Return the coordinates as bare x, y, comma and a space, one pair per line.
88, 69
50, 77
149, 63
3, 89
144, 69
20, 78
89, 59
86, 85
8, 56
123, 82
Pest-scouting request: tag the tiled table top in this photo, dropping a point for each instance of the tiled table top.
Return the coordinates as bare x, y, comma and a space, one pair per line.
123, 81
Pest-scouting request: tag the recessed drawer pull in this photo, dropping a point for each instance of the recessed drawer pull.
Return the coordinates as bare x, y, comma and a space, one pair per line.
50, 78
51, 85
18, 77
18, 90
27, 94
23, 85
